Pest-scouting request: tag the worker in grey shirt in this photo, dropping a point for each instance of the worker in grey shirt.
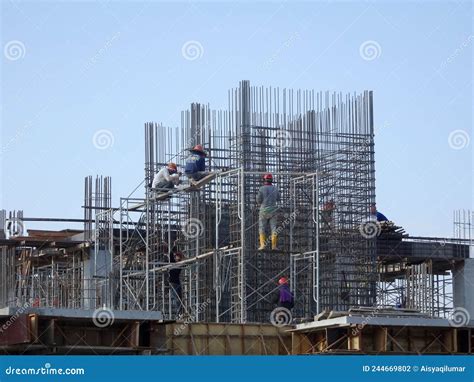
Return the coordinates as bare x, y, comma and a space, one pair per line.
166, 178
267, 198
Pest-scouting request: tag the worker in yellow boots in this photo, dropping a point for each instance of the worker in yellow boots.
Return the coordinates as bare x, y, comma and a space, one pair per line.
268, 196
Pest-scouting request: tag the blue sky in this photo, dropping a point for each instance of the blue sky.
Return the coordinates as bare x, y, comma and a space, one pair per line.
69, 69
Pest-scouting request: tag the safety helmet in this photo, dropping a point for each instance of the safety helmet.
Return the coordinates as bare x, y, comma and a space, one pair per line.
198, 149
268, 178
283, 280
172, 167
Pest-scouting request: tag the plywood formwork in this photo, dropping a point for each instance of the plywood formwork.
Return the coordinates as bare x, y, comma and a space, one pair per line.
401, 332
46, 334
227, 339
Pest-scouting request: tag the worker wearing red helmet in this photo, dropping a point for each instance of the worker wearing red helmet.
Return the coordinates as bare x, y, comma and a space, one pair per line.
284, 297
196, 163
166, 178
268, 196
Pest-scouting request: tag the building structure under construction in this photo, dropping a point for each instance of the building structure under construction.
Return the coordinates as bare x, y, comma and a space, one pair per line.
350, 274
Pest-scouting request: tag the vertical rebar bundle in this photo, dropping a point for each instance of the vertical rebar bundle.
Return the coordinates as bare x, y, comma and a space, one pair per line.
324, 140
319, 148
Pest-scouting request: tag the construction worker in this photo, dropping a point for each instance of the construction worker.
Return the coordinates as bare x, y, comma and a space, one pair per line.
380, 217
327, 213
196, 164
284, 296
175, 283
166, 178
267, 197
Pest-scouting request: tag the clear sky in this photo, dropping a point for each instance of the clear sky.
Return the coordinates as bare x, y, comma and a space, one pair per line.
70, 69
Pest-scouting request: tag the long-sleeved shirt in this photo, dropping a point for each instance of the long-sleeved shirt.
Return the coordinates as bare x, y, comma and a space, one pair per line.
164, 176
195, 163
268, 197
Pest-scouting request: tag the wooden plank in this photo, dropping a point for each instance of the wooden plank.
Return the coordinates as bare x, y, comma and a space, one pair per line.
202, 182
354, 341
380, 339
15, 330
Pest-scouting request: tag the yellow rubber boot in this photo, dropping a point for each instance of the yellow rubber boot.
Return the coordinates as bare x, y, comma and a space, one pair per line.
263, 239
274, 241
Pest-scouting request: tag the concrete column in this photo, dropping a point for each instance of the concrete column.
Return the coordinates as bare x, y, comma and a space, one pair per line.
463, 287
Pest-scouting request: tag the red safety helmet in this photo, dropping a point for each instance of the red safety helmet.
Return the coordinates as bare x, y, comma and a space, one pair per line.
283, 280
172, 167
268, 178
198, 149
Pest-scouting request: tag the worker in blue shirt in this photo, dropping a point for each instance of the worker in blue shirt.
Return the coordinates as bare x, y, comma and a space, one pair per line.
195, 168
378, 215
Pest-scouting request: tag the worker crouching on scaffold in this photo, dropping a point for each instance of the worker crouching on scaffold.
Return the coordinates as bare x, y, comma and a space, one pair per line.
196, 164
268, 196
166, 179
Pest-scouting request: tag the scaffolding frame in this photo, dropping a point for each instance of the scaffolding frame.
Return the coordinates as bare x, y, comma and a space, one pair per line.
319, 148
319, 140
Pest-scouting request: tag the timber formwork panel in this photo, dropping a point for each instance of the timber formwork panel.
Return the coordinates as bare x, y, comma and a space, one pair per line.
37, 334
373, 339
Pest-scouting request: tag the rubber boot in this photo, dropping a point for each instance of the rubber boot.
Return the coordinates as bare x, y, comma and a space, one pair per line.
274, 241
263, 239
